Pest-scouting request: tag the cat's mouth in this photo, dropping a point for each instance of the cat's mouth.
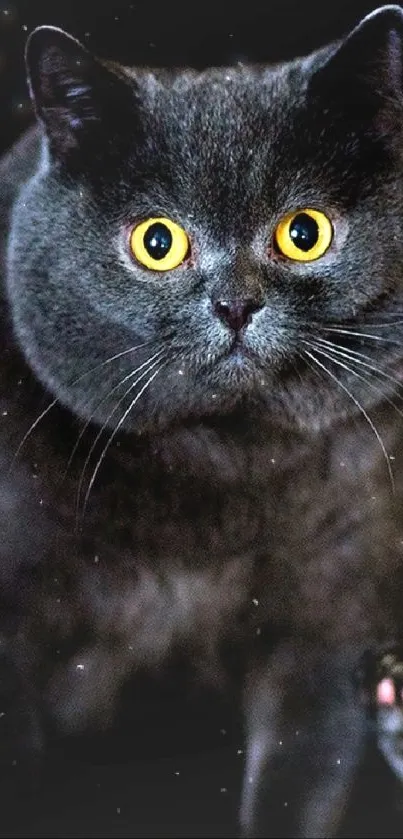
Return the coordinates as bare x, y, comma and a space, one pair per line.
239, 351
240, 364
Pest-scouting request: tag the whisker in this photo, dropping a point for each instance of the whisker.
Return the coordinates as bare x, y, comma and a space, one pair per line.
28, 434
150, 366
109, 361
342, 347
70, 384
375, 320
364, 378
116, 430
318, 372
387, 324
103, 400
353, 355
353, 334
357, 403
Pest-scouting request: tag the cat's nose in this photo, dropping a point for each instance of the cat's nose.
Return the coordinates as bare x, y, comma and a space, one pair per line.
237, 313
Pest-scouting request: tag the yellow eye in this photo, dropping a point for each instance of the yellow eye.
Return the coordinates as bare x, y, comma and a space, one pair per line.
159, 244
304, 235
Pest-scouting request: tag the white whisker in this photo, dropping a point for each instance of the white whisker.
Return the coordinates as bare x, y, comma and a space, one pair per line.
70, 384
386, 325
149, 365
357, 403
29, 432
357, 357
359, 375
116, 430
103, 400
354, 334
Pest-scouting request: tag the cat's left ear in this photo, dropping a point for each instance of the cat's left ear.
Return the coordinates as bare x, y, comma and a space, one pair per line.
364, 72
78, 99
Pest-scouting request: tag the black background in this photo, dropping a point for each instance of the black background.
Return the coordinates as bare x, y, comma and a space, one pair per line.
175, 770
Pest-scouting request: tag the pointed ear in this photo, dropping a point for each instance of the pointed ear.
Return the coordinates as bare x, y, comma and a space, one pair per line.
364, 72
76, 96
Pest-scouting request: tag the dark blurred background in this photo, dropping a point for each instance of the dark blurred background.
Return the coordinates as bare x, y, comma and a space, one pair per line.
176, 771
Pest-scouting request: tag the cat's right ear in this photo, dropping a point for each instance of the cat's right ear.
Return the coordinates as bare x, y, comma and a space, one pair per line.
78, 99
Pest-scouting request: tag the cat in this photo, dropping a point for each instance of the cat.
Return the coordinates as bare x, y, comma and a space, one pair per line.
201, 427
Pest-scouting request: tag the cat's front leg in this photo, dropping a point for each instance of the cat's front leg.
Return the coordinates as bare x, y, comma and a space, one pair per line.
305, 727
387, 705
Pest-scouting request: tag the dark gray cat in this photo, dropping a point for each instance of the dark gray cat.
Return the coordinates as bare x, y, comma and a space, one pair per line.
204, 271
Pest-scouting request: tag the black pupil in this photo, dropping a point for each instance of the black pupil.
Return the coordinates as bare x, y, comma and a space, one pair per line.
158, 240
304, 232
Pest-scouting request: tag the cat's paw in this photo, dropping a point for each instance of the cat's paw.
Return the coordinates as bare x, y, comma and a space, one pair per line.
388, 701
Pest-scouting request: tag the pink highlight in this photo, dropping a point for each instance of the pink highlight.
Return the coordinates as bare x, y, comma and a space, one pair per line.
385, 692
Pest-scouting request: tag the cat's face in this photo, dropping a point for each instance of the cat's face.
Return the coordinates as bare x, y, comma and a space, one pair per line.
231, 305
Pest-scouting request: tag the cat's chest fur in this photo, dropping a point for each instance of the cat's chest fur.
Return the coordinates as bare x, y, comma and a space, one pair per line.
191, 551
190, 547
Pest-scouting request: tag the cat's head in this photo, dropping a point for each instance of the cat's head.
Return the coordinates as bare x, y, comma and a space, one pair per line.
195, 241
